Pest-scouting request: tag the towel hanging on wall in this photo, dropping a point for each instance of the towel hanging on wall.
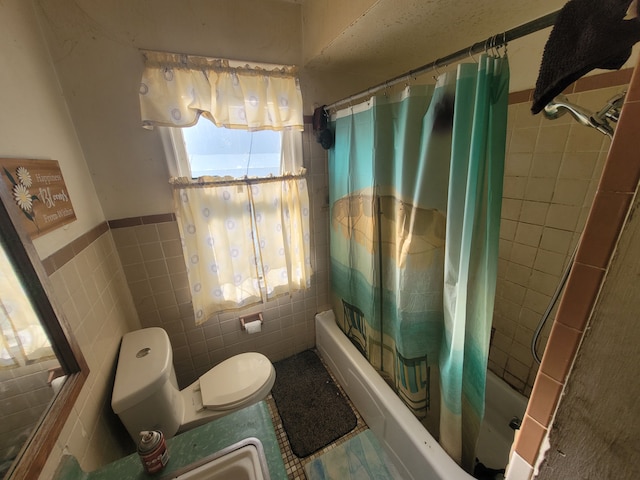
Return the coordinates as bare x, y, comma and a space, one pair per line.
321, 130
588, 34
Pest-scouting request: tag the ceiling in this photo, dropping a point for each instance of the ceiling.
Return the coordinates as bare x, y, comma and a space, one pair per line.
342, 47
371, 41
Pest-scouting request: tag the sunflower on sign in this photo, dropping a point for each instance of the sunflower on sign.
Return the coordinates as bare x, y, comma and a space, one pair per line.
21, 193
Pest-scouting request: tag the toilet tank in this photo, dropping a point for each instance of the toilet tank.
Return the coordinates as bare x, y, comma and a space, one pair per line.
145, 391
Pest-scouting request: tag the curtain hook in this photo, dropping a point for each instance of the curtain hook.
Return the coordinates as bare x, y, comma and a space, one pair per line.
504, 43
471, 54
498, 45
486, 48
435, 67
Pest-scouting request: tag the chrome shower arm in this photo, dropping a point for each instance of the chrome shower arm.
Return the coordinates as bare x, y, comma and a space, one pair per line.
561, 105
612, 109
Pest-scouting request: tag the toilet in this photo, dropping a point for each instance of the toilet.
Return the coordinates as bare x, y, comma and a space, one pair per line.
146, 395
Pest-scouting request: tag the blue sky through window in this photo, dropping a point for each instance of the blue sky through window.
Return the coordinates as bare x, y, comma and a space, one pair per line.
223, 151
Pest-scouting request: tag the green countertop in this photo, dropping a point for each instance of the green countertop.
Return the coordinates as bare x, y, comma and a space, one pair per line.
190, 446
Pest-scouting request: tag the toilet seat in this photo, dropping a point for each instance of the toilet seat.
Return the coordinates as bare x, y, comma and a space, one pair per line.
235, 380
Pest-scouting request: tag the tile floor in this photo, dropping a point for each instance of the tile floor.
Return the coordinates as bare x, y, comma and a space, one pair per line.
293, 464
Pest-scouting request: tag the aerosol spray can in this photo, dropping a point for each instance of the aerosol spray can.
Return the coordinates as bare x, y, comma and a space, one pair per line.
153, 451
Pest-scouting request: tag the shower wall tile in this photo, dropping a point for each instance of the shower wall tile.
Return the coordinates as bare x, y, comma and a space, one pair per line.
552, 138
528, 445
523, 140
539, 190
579, 165
609, 208
518, 164
582, 140
605, 80
544, 399
580, 297
633, 92
546, 165
534, 212
620, 175
555, 240
552, 175
561, 348
570, 191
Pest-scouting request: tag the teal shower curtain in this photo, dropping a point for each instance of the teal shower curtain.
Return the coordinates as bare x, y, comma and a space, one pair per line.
415, 187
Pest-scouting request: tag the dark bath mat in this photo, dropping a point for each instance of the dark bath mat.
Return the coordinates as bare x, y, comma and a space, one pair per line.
313, 411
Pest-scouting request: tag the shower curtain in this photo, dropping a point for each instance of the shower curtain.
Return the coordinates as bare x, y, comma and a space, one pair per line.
415, 187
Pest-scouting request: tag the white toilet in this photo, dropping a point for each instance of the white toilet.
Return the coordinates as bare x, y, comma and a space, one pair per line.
146, 395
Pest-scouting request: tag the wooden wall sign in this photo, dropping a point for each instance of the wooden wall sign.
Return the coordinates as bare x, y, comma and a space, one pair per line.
39, 191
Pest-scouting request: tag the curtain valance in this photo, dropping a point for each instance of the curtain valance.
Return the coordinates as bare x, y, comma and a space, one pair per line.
176, 89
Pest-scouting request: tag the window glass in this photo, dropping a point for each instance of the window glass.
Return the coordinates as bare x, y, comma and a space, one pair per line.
219, 151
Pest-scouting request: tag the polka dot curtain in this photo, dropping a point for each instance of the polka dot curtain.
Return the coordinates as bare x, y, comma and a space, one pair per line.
175, 89
243, 244
22, 338
244, 241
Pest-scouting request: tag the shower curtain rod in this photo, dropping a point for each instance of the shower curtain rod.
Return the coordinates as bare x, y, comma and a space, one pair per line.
495, 41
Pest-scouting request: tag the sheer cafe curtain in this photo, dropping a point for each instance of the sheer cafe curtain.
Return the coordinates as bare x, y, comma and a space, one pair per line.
22, 339
245, 241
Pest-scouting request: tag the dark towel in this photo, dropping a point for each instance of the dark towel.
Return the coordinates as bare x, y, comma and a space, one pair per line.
483, 473
587, 34
324, 136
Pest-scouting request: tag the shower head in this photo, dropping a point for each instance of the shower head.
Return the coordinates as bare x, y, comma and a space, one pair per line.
561, 105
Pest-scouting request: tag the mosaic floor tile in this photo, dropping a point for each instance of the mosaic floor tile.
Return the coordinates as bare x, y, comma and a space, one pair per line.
295, 465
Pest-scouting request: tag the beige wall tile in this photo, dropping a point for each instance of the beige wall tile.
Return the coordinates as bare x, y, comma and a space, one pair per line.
90, 434
558, 164
552, 138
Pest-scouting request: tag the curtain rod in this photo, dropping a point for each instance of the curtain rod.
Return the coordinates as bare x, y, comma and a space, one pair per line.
495, 41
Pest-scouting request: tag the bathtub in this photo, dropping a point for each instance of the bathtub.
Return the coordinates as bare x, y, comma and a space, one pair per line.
414, 452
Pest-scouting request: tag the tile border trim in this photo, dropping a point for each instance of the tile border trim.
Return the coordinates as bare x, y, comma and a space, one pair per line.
57, 259
593, 82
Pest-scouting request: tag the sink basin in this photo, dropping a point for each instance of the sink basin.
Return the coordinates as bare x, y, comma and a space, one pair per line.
244, 460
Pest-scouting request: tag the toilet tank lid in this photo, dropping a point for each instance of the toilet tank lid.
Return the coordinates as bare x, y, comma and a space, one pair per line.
144, 364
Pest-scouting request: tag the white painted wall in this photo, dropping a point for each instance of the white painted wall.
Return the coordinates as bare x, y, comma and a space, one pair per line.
35, 122
95, 49
341, 50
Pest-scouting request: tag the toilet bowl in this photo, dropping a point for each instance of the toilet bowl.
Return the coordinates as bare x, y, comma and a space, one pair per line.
146, 394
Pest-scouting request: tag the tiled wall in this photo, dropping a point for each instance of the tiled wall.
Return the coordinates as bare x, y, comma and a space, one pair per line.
607, 217
551, 174
24, 396
90, 286
151, 255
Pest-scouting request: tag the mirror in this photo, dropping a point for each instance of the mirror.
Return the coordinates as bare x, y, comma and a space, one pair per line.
41, 364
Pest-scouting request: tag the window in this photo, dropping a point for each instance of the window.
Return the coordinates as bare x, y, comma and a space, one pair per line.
245, 238
229, 152
234, 150
207, 150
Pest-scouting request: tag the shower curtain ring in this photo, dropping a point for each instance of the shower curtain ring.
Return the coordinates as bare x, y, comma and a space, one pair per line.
435, 67
504, 43
471, 54
492, 45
